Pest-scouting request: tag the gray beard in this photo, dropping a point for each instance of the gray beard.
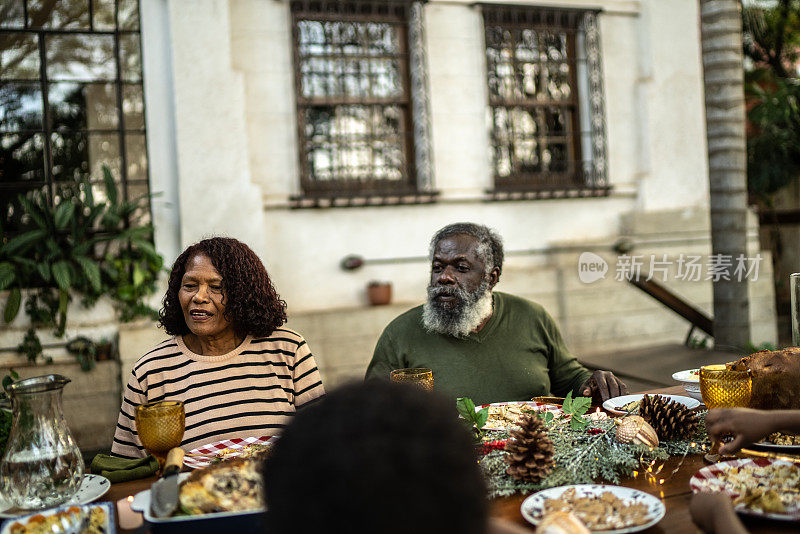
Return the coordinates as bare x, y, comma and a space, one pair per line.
468, 312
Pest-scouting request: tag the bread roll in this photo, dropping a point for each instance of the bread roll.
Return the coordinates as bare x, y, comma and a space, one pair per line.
561, 523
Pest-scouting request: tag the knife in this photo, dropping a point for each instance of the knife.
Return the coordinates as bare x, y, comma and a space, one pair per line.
164, 492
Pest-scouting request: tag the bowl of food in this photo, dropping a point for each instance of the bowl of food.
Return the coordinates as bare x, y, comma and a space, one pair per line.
690, 378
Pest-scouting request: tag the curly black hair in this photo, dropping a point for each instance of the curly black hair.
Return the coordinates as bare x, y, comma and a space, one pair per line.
356, 461
251, 303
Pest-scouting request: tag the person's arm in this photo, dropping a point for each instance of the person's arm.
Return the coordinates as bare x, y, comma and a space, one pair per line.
306, 379
748, 426
126, 440
384, 359
714, 513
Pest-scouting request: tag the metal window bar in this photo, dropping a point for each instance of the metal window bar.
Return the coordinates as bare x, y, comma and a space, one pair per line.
374, 154
549, 153
10, 188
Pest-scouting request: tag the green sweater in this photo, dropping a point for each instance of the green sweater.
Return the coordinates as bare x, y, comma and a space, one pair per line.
517, 355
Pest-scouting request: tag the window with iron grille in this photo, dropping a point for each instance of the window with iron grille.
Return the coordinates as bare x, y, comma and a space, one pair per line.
354, 103
545, 99
71, 100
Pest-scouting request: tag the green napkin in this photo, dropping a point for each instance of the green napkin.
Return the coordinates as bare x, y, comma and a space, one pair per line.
118, 469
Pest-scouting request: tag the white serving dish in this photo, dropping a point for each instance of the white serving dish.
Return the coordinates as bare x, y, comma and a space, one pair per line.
250, 521
690, 382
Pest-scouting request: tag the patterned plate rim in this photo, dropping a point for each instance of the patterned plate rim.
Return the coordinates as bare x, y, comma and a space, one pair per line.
655, 506
216, 446
710, 472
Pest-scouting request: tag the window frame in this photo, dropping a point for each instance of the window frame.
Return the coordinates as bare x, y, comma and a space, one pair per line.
49, 129
585, 174
395, 12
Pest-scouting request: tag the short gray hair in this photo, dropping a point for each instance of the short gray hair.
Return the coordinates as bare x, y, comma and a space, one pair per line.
490, 244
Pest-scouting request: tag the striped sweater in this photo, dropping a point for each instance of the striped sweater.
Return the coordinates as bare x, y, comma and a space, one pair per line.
250, 391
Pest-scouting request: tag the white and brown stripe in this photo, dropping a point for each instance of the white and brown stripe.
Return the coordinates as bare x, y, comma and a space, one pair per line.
250, 391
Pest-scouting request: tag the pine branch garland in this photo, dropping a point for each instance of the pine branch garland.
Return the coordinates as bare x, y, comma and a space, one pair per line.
584, 457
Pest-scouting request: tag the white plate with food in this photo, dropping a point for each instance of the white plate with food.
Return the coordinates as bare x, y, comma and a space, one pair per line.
781, 441
758, 486
92, 487
506, 415
690, 378
225, 449
630, 403
621, 510
86, 518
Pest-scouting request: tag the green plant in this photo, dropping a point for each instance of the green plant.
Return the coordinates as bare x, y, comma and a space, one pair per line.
78, 245
85, 352
476, 419
773, 148
576, 408
6, 417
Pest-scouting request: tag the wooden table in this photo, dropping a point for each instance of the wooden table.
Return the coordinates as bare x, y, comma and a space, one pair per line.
676, 496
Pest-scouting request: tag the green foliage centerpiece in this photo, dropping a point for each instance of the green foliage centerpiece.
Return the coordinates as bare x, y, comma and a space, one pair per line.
584, 449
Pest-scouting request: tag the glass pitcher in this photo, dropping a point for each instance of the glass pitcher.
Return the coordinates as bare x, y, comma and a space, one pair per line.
42, 465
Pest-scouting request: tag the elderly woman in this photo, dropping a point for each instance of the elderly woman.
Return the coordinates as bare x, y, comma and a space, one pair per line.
236, 370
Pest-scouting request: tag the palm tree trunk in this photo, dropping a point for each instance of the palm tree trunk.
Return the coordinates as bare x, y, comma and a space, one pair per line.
721, 36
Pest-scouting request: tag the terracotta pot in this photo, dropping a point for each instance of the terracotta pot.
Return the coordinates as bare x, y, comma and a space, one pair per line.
379, 293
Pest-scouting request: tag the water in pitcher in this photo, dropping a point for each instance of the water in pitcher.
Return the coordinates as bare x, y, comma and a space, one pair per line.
35, 480
42, 465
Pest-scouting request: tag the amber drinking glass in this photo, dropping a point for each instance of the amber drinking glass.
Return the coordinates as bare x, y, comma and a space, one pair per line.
725, 388
160, 426
418, 377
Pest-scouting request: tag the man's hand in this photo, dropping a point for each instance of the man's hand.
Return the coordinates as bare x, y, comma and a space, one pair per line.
604, 383
747, 426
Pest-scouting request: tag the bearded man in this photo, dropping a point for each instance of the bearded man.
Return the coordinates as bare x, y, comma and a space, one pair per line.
486, 345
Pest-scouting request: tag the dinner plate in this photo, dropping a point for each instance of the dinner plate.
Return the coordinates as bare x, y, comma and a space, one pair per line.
794, 449
206, 453
533, 506
615, 405
687, 375
555, 410
710, 479
109, 525
92, 487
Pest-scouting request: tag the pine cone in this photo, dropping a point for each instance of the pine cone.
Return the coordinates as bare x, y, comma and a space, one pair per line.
671, 420
530, 450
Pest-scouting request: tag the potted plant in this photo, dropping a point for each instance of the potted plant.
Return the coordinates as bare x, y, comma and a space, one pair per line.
379, 293
78, 247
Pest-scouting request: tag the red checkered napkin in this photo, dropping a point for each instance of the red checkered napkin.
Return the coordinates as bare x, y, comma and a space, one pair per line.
207, 452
